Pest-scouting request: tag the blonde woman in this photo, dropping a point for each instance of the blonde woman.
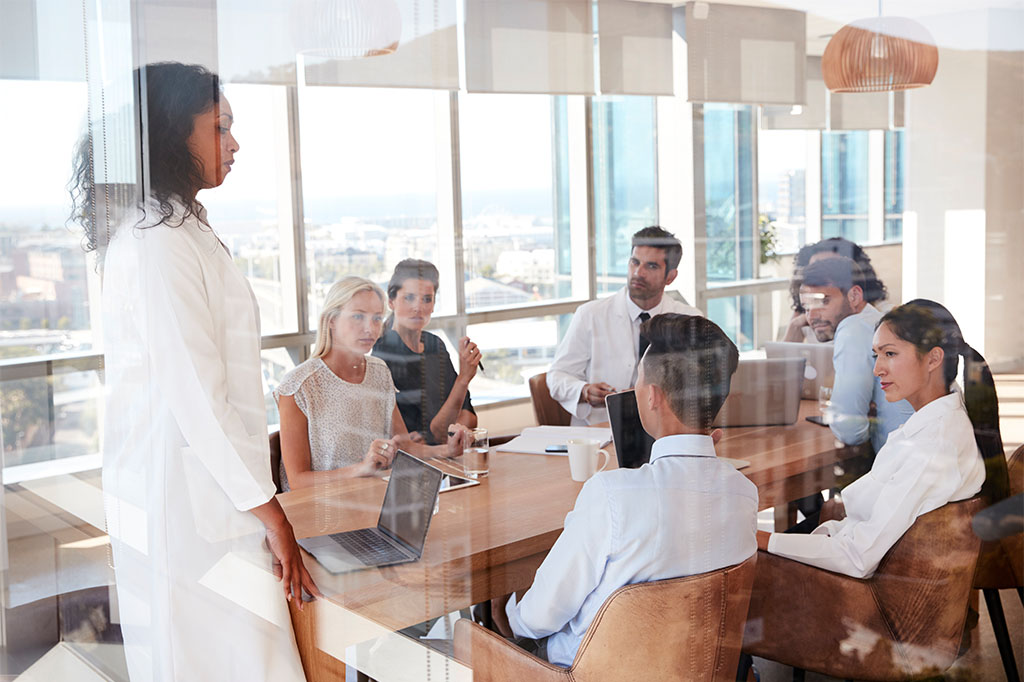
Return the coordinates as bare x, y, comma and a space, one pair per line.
338, 412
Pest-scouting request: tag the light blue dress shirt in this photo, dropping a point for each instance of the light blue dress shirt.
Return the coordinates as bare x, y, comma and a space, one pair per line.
856, 385
686, 512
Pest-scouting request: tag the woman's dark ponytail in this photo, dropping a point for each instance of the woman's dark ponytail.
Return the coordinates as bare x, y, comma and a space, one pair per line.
927, 325
983, 409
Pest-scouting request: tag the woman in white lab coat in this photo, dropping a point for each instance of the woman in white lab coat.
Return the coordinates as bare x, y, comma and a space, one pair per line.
197, 535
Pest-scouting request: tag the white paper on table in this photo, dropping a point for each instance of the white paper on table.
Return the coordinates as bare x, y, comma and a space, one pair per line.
536, 439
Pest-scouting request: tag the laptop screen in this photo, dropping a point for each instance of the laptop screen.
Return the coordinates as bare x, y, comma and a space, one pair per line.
409, 501
632, 443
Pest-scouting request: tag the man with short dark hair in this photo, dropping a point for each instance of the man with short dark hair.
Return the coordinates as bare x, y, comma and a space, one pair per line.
833, 295
600, 350
685, 512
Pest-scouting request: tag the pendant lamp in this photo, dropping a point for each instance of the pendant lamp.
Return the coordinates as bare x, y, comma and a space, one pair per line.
346, 29
880, 54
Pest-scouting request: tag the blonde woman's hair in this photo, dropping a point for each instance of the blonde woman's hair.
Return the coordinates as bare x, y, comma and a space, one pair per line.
341, 293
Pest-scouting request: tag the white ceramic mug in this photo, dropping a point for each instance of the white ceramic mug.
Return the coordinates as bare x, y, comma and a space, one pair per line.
583, 454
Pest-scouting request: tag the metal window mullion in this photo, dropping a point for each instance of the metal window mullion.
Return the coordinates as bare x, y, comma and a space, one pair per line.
298, 219
460, 251
700, 225
588, 109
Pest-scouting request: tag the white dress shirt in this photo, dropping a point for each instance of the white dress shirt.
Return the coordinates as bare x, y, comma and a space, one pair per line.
929, 461
601, 345
686, 512
856, 385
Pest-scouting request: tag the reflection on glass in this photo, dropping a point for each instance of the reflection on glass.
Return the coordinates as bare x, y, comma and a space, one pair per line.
625, 181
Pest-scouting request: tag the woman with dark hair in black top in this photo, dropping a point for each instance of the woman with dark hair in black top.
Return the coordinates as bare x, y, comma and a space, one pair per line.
431, 394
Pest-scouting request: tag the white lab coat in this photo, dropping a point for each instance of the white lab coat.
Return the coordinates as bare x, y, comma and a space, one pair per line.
600, 345
185, 454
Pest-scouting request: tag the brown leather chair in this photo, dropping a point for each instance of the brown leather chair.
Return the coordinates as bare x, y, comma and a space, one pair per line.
547, 411
905, 621
1001, 567
275, 459
680, 629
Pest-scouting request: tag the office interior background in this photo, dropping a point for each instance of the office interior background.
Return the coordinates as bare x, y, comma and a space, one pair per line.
517, 144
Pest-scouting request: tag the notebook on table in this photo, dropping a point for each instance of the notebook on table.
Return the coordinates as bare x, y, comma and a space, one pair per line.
401, 530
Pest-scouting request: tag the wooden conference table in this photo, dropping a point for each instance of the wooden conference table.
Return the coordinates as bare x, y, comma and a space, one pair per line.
488, 540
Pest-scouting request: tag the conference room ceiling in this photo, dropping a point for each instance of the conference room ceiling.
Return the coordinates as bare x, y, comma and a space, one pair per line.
955, 24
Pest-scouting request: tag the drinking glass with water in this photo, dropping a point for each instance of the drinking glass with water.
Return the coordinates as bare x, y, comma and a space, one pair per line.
476, 453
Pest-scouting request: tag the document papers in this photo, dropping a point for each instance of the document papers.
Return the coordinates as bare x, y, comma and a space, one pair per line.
536, 439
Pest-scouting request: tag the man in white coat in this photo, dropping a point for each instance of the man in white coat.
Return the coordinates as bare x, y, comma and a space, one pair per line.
600, 350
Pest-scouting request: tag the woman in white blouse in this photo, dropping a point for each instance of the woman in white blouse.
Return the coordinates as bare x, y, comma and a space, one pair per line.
948, 450
338, 412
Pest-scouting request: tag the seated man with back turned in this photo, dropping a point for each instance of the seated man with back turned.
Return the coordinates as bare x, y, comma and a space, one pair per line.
832, 292
599, 353
685, 512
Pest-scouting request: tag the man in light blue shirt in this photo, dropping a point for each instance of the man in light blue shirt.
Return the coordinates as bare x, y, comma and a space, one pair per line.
685, 512
836, 310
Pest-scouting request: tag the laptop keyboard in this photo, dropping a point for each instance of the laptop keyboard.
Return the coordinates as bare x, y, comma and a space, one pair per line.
369, 547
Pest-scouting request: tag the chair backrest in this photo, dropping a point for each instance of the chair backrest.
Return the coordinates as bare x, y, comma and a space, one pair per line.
679, 629
547, 411
275, 458
922, 586
1001, 565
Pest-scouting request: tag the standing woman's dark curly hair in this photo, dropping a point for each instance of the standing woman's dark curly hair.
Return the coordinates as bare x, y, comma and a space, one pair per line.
927, 324
874, 289
174, 94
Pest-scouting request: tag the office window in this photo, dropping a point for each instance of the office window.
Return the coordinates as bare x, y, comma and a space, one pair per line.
251, 211
46, 305
512, 352
508, 153
370, 185
728, 191
735, 315
782, 176
625, 181
895, 181
844, 185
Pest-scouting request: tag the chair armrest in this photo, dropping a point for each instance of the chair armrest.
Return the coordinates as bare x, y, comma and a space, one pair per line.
493, 658
800, 615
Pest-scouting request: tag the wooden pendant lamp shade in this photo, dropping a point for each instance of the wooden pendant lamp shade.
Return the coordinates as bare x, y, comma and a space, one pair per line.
880, 54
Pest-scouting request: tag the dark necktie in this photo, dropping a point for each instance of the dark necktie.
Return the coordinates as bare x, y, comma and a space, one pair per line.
643, 339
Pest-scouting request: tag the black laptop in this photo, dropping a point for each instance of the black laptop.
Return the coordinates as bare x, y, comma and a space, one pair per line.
401, 530
632, 443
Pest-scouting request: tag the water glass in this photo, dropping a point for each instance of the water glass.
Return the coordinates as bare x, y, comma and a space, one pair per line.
476, 453
825, 403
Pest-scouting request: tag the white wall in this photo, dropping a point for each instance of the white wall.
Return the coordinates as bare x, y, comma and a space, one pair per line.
964, 238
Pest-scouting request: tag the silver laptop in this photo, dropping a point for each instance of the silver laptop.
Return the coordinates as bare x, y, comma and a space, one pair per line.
401, 529
819, 370
764, 393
